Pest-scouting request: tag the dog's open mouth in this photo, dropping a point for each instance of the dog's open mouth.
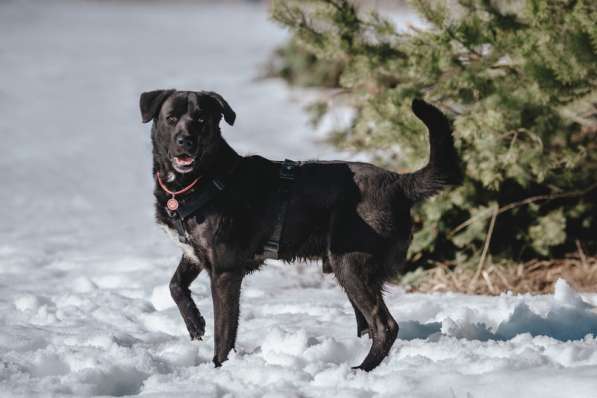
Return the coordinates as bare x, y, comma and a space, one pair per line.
183, 163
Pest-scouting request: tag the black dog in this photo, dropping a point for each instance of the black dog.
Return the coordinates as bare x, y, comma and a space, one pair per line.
355, 217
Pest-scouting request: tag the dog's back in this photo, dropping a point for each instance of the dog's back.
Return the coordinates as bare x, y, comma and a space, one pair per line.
372, 205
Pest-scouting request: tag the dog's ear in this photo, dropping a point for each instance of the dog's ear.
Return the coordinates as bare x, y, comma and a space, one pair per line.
225, 109
151, 102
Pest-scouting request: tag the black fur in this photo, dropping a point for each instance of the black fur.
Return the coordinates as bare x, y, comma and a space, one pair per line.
353, 216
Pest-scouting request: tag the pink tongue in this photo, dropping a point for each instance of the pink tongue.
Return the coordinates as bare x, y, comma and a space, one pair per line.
184, 160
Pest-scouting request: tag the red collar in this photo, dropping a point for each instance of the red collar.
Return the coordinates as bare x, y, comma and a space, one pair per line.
172, 203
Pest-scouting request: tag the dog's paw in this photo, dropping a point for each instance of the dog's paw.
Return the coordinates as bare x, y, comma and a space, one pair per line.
196, 329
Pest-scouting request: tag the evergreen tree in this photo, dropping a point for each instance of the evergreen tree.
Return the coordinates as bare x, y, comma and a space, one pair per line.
519, 80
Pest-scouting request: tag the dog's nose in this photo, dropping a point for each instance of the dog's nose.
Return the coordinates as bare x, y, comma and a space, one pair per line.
185, 141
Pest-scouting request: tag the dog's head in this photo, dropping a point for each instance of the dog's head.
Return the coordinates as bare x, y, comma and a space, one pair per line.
185, 132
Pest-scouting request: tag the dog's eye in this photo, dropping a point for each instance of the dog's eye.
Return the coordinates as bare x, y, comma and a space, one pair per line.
172, 119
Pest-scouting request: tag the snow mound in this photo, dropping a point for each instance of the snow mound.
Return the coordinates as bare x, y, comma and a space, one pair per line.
565, 308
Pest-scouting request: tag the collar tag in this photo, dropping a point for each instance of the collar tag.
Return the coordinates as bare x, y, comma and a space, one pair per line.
172, 204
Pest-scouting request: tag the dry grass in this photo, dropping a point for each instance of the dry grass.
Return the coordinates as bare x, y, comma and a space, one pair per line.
532, 277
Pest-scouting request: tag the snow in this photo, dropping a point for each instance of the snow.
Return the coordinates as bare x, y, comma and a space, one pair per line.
84, 303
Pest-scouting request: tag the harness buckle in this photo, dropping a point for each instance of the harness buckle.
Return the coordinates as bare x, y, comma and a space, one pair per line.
218, 184
287, 170
271, 248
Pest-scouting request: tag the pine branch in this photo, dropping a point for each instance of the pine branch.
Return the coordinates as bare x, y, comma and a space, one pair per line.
514, 205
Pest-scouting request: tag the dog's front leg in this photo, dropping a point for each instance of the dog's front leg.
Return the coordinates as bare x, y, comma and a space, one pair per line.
186, 273
225, 290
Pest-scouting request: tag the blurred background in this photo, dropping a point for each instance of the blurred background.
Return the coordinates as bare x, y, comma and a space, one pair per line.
317, 79
75, 156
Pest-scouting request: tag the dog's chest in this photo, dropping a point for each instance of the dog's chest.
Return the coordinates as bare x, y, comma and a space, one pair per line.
187, 249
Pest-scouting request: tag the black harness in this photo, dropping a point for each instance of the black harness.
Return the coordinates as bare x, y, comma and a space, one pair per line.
192, 204
197, 200
287, 176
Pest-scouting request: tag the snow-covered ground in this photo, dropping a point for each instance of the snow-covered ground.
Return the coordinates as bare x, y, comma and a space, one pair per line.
84, 303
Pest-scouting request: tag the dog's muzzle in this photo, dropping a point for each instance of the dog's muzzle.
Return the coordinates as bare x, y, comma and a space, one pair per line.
183, 163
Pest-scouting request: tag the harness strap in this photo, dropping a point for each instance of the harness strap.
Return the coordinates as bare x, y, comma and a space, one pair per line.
209, 191
287, 176
192, 205
195, 202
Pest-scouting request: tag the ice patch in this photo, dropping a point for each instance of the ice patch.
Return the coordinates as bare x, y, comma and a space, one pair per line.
253, 293
27, 302
281, 348
45, 364
329, 351
83, 284
161, 298
565, 295
112, 281
410, 330
114, 381
561, 323
159, 322
180, 354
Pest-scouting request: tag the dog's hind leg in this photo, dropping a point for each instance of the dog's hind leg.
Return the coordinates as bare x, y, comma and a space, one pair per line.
186, 273
326, 268
225, 291
362, 326
351, 272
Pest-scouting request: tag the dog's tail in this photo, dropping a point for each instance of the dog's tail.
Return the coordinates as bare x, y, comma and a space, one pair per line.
443, 168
